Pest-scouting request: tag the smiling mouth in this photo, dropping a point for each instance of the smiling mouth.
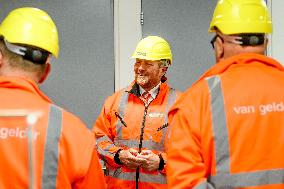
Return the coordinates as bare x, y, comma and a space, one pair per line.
141, 75
142, 78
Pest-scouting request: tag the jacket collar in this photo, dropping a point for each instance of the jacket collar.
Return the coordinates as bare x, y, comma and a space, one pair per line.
23, 84
134, 88
245, 58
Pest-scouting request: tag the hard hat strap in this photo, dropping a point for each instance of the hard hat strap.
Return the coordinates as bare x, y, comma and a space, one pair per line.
34, 55
251, 39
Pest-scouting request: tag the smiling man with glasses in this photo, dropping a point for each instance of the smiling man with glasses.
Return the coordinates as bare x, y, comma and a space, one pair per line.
227, 130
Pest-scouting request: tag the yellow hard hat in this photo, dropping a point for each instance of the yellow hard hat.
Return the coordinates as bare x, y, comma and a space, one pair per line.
153, 48
31, 26
241, 16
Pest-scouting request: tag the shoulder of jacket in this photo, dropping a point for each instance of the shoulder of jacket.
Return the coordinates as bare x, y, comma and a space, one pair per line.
115, 96
69, 117
178, 92
112, 102
194, 93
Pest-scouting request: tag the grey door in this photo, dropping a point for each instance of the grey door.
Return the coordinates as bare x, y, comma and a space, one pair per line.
83, 75
184, 23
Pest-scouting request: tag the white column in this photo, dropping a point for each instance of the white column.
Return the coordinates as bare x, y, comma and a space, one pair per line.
276, 46
127, 33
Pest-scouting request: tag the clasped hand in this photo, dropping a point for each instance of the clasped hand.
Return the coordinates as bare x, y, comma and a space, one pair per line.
131, 159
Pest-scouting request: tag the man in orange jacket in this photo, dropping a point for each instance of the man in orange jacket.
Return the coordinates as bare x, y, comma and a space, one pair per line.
226, 131
131, 128
42, 145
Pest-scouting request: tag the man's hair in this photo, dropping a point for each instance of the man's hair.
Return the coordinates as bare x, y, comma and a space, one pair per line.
165, 63
16, 61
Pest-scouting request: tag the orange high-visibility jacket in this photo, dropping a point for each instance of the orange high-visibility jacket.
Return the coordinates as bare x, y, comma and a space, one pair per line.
113, 135
57, 152
227, 131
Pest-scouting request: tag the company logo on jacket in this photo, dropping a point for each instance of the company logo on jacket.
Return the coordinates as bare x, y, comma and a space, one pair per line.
17, 132
156, 114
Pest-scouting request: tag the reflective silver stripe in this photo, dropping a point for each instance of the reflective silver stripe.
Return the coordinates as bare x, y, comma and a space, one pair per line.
146, 144
51, 151
143, 177
30, 156
241, 180
152, 145
121, 109
171, 100
126, 143
103, 138
105, 151
203, 185
109, 147
224, 179
220, 134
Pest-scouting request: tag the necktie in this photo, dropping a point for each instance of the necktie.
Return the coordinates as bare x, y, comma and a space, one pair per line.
146, 97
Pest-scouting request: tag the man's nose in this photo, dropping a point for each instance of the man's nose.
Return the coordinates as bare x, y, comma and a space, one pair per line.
141, 67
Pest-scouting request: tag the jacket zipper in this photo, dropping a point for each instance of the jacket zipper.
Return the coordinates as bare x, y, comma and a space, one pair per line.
141, 140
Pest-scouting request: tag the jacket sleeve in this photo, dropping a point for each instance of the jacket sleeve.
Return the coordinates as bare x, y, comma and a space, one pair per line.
104, 129
94, 177
78, 156
164, 156
185, 166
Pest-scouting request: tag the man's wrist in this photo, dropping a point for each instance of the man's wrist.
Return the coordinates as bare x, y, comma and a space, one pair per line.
116, 157
162, 162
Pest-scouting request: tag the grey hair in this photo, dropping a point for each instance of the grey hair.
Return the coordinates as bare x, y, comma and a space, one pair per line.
165, 63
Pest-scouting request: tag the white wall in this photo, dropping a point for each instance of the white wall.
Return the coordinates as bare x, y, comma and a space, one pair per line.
277, 37
86, 54
127, 33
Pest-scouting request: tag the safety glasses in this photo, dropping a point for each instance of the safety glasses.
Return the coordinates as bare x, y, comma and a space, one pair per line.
214, 39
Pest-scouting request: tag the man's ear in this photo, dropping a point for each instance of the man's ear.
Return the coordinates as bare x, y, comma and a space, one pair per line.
1, 58
266, 40
45, 73
165, 69
219, 49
